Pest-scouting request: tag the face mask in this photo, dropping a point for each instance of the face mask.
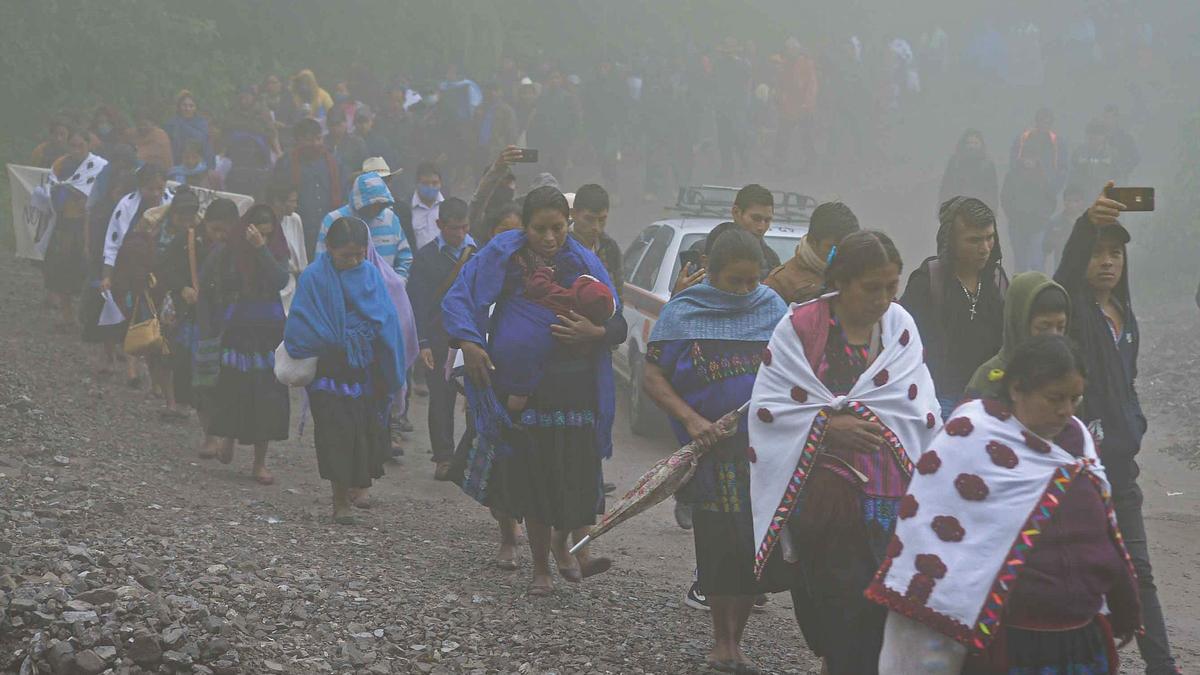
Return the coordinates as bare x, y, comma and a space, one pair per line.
427, 193
831, 256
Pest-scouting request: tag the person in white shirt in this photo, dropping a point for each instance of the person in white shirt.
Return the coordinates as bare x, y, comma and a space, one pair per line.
283, 198
426, 200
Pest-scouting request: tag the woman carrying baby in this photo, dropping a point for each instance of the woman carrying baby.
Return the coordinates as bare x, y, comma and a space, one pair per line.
551, 368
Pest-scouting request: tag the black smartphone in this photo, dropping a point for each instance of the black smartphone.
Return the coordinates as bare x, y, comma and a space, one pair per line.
1134, 198
689, 261
528, 156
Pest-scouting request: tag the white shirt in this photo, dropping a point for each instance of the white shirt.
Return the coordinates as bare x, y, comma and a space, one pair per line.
424, 220
293, 233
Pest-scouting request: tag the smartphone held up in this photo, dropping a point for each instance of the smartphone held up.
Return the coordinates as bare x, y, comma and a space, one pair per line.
1133, 198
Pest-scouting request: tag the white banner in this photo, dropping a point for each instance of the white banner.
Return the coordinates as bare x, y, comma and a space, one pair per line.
31, 220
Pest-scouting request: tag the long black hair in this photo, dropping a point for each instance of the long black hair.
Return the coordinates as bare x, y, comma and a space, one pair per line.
859, 253
544, 198
732, 246
347, 230
1040, 361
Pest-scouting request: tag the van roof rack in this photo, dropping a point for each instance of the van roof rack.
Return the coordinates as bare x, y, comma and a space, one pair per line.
715, 201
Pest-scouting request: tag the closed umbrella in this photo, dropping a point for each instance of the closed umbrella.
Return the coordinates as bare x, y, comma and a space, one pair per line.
661, 481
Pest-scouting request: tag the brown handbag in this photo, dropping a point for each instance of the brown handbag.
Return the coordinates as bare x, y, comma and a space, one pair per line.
145, 338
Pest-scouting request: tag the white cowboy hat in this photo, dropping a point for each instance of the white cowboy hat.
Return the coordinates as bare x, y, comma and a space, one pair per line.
379, 166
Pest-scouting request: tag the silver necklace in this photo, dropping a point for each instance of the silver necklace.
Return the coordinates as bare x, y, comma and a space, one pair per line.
973, 299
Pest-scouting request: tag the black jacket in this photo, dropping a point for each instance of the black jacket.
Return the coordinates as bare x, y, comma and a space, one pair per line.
1109, 396
431, 270
955, 346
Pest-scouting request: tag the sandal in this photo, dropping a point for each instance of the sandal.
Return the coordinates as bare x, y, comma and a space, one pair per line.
538, 591
570, 574
345, 520
723, 666
747, 668
507, 565
264, 479
225, 455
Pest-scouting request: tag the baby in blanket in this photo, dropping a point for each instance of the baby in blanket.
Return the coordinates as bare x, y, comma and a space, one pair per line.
520, 374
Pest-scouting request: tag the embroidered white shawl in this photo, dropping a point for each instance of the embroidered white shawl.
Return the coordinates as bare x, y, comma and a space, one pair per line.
790, 405
83, 180
980, 496
121, 220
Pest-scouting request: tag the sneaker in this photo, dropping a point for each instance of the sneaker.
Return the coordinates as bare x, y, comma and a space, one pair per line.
695, 599
683, 515
760, 603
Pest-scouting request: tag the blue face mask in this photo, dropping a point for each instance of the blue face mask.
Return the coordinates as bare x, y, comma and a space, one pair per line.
428, 193
832, 254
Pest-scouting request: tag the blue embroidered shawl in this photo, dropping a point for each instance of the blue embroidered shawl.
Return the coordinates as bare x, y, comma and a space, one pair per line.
347, 310
481, 284
705, 312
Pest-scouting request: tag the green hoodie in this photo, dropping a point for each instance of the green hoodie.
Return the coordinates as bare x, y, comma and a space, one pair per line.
1022, 292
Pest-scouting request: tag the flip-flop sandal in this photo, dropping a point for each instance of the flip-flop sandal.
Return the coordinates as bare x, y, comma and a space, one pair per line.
723, 666
507, 565
570, 574
747, 668
345, 520
265, 480
539, 591
363, 503
595, 566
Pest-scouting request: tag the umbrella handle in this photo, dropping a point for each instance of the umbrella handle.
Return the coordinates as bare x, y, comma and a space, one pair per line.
582, 542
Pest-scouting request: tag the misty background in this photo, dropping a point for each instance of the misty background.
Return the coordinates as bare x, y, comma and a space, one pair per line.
983, 65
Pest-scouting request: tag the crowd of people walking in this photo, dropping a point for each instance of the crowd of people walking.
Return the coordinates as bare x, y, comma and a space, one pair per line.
943, 476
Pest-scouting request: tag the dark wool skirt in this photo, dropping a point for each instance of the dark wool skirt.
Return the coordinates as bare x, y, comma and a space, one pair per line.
248, 403
183, 346
1015, 651
725, 555
350, 422
553, 474
63, 270
839, 555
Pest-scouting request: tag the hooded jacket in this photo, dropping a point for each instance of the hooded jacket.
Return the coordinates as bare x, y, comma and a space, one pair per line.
1109, 396
1018, 305
318, 99
386, 231
954, 344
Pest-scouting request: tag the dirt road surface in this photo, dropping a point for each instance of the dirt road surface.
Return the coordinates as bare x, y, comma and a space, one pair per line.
117, 537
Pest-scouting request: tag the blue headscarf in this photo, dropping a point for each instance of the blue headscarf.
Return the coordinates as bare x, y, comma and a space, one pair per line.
479, 286
348, 310
705, 312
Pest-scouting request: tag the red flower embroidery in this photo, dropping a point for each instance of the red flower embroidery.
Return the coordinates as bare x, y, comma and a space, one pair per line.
930, 421
919, 588
971, 487
766, 356
908, 506
912, 392
895, 547
881, 378
948, 528
751, 454
1002, 455
765, 415
904, 338
1036, 443
929, 462
930, 565
996, 409
799, 395
960, 426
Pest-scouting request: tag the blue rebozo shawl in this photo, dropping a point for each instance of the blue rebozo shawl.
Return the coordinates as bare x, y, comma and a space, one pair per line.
465, 313
705, 312
349, 310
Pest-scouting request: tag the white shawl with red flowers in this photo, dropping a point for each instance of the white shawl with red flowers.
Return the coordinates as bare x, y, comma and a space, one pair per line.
790, 406
982, 494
